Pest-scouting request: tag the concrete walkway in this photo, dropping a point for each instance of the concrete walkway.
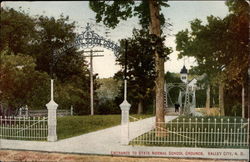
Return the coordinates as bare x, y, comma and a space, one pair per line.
99, 142
107, 142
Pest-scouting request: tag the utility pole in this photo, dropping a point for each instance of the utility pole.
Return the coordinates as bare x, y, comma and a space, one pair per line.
91, 77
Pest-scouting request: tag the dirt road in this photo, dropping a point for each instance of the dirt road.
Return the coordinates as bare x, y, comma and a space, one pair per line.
32, 156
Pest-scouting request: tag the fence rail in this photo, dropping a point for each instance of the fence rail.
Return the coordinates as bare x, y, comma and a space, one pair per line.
36, 113
23, 128
25, 112
198, 132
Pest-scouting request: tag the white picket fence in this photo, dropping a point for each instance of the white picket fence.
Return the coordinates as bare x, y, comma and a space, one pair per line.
23, 128
197, 132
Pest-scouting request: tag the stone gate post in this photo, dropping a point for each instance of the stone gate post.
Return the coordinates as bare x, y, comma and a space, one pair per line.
125, 106
52, 106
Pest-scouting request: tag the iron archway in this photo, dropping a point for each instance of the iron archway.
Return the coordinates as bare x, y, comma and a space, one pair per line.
87, 39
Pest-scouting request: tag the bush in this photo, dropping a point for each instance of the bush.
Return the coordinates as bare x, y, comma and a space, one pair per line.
108, 107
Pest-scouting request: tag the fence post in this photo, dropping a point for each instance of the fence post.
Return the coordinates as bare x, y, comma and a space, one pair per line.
20, 111
125, 106
71, 110
52, 106
26, 111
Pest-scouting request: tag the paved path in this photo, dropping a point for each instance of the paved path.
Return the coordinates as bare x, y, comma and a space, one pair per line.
99, 142
107, 142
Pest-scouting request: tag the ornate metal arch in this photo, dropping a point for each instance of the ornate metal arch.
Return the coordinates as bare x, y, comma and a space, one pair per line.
88, 39
169, 86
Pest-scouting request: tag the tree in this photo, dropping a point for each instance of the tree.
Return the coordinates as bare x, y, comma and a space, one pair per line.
220, 48
17, 31
111, 14
38, 37
202, 43
20, 82
69, 68
52, 35
155, 29
109, 88
239, 36
140, 67
108, 91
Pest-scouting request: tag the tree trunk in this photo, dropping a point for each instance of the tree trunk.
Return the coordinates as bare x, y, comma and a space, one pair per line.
140, 107
243, 101
213, 96
155, 28
248, 93
221, 99
154, 107
208, 99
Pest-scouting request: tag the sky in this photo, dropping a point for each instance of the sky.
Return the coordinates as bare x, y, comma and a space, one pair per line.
180, 13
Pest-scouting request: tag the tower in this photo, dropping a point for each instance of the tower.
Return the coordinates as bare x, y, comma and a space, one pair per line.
184, 74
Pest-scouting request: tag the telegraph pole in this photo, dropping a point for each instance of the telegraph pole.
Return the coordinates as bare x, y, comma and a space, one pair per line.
91, 77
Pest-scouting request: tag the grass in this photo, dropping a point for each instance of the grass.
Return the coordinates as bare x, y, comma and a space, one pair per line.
70, 126
209, 111
67, 126
192, 136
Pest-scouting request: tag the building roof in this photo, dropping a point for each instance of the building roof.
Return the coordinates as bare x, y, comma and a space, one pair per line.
184, 70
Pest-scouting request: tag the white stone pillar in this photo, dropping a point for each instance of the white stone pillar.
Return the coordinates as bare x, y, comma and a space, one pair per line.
125, 106
52, 106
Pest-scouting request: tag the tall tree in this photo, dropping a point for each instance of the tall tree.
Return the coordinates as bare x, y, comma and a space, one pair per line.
155, 29
52, 35
239, 35
20, 82
220, 47
202, 43
111, 14
17, 31
140, 66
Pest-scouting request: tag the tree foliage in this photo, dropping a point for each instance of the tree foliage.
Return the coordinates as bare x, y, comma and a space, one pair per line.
30, 42
17, 31
220, 47
21, 84
140, 67
112, 12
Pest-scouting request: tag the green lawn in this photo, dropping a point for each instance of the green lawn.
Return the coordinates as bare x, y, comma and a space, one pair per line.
70, 126
214, 132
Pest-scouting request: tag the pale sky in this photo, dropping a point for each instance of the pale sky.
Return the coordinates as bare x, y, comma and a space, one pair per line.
180, 14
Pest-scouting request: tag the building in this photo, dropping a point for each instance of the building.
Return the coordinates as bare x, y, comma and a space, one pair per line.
192, 83
184, 74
